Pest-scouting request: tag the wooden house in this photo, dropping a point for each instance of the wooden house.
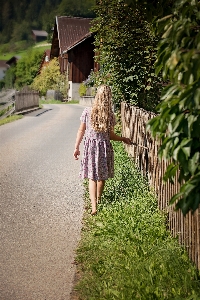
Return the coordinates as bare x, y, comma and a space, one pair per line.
72, 43
3, 68
13, 61
39, 35
45, 60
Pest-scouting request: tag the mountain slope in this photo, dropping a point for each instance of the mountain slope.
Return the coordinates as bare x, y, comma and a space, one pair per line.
18, 17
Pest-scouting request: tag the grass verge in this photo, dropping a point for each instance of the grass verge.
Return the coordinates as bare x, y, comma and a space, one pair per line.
10, 119
53, 101
125, 251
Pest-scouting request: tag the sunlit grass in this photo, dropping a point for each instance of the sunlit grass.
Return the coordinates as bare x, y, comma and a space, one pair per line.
6, 55
126, 251
10, 119
53, 101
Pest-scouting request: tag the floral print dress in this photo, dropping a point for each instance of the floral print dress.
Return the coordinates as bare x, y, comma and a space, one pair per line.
98, 157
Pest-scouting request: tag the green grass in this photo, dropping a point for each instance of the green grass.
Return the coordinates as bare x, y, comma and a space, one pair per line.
2, 112
126, 252
5, 110
53, 101
73, 102
6, 55
10, 119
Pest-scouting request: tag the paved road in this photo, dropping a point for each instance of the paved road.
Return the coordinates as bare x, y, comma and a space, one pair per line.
41, 204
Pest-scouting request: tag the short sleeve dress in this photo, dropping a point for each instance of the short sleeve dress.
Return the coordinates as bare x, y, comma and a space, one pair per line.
98, 156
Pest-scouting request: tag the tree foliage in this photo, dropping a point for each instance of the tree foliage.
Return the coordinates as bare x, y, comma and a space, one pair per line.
50, 78
76, 8
27, 68
9, 78
126, 51
178, 122
37, 15
151, 8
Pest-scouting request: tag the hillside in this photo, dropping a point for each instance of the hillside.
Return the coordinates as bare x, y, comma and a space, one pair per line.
19, 17
20, 49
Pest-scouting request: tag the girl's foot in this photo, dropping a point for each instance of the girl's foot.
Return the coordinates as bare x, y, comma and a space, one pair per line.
98, 200
93, 213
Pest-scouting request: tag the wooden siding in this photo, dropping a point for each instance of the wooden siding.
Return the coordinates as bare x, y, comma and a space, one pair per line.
145, 155
81, 60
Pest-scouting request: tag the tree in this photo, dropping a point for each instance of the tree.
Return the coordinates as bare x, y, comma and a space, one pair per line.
178, 122
27, 68
9, 78
38, 14
126, 51
21, 32
76, 8
50, 78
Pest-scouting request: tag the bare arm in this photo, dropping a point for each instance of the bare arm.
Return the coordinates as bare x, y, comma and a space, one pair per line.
115, 137
79, 137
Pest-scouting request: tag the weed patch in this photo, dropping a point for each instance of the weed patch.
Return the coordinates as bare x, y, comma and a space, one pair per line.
125, 251
53, 101
10, 119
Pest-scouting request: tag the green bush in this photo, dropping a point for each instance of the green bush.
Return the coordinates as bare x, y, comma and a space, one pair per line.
82, 89
177, 124
50, 78
126, 252
125, 47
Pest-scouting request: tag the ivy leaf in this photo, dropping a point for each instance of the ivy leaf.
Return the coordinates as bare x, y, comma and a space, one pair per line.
197, 97
193, 163
170, 172
148, 87
175, 197
175, 123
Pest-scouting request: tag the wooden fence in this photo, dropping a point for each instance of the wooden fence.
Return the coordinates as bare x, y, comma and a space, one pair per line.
26, 99
145, 154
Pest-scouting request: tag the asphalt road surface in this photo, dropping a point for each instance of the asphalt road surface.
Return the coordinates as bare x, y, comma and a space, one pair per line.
41, 204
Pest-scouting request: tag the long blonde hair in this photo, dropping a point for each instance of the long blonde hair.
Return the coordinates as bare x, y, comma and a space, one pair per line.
102, 113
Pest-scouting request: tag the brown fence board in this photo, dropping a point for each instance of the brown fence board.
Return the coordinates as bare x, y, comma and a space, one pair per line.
26, 99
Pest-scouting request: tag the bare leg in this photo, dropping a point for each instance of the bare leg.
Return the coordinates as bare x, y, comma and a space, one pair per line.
100, 187
93, 193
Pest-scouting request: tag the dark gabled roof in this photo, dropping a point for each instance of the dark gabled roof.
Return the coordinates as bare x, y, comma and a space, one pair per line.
68, 31
12, 60
78, 42
40, 33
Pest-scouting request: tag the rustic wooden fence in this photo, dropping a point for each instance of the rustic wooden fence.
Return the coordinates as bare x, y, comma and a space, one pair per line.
145, 154
26, 99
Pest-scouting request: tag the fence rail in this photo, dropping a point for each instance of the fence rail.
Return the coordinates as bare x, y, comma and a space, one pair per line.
26, 99
145, 154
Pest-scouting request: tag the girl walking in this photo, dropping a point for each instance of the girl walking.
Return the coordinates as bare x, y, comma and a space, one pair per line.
97, 124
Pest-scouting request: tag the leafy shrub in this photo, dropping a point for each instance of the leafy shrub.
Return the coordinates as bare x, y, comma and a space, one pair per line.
27, 68
179, 111
50, 78
82, 89
126, 52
